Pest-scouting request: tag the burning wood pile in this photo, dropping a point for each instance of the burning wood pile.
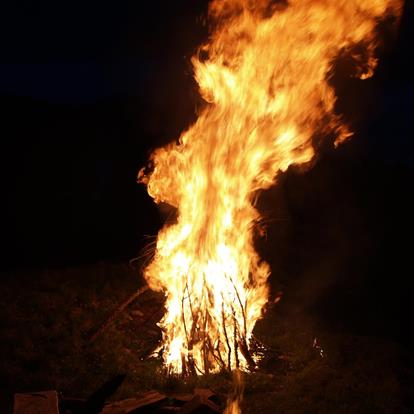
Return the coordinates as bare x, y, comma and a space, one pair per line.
264, 75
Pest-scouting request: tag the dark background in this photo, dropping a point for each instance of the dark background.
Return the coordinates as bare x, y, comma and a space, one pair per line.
87, 89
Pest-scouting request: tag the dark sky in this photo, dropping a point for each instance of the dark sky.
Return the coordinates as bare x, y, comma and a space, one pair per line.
82, 51
87, 88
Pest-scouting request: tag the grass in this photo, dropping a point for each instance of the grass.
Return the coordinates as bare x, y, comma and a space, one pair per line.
48, 316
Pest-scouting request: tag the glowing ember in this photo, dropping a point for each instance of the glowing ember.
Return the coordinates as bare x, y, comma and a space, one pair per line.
264, 74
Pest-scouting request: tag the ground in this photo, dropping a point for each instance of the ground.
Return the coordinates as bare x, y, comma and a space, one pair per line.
49, 316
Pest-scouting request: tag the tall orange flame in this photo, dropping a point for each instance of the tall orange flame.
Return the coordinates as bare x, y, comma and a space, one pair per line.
264, 75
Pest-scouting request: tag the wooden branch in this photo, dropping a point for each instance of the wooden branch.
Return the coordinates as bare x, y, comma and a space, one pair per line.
213, 351
116, 312
244, 349
226, 337
241, 306
187, 363
236, 350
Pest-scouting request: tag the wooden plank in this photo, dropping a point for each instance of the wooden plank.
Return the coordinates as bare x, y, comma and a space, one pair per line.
132, 405
200, 403
192, 406
44, 402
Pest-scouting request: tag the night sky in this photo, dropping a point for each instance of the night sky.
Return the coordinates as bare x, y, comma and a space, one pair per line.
87, 89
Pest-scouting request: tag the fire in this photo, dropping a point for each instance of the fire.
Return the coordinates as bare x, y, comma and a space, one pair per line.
264, 75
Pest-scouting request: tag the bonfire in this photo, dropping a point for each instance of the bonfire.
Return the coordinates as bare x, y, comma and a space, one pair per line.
264, 76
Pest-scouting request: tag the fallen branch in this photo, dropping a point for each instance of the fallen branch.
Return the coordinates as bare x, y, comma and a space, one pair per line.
117, 311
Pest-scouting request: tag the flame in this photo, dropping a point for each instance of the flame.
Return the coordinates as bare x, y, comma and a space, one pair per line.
236, 396
264, 75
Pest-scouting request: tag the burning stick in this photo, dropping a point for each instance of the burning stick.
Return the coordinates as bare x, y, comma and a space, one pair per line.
235, 340
227, 339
